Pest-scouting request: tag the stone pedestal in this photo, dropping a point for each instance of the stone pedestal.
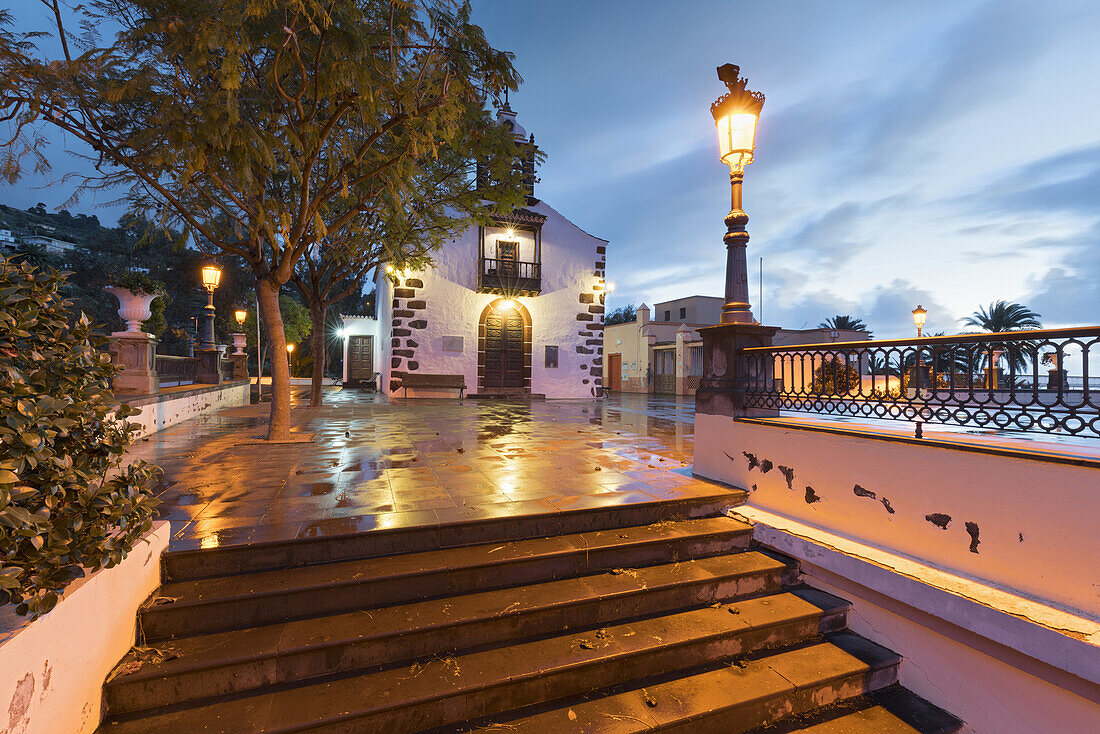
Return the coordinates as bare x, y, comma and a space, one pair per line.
1057, 380
240, 365
725, 377
210, 366
136, 353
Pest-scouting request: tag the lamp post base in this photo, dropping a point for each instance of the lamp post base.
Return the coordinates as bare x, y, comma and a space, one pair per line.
210, 366
725, 377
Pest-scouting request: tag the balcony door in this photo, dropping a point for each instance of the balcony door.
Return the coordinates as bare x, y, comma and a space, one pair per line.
508, 257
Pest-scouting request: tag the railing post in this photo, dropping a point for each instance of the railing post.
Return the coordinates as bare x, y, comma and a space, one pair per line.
210, 366
726, 373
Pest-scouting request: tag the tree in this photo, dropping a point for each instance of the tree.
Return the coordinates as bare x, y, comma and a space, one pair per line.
622, 315
442, 200
1003, 316
844, 323
258, 127
835, 376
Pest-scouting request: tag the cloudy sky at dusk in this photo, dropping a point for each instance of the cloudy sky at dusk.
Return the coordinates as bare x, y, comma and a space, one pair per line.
940, 152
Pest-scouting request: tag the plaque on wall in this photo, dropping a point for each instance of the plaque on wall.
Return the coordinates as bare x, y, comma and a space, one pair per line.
452, 344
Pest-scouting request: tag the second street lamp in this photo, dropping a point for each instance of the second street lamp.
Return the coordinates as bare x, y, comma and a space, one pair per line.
211, 277
735, 115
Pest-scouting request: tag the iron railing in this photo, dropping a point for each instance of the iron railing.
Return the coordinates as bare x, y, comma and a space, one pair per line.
174, 370
1040, 380
510, 277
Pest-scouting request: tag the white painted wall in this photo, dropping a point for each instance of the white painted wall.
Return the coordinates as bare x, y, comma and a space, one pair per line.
362, 326
158, 412
1052, 506
454, 309
52, 669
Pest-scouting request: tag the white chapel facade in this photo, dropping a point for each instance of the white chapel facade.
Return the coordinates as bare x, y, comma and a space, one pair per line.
516, 308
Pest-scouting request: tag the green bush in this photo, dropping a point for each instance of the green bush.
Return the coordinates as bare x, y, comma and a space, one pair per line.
835, 377
66, 501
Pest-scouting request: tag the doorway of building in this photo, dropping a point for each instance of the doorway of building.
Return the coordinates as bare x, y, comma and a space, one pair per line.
504, 346
614, 372
360, 359
664, 373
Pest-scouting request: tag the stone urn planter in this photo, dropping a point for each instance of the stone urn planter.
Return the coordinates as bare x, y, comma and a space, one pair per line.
133, 307
239, 342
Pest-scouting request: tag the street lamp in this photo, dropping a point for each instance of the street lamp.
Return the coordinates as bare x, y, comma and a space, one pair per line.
240, 315
735, 115
211, 276
919, 315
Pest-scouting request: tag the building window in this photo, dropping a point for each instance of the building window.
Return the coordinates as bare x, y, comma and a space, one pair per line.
683, 313
668, 316
551, 356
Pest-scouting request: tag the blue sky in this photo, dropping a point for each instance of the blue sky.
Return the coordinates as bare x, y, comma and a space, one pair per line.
946, 153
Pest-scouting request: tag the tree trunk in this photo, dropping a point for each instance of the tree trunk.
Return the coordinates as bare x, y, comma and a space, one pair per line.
317, 313
279, 422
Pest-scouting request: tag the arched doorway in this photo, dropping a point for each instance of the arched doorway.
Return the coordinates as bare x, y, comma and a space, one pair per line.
504, 347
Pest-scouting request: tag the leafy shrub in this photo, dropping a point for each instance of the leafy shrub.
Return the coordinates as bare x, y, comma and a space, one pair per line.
835, 377
66, 502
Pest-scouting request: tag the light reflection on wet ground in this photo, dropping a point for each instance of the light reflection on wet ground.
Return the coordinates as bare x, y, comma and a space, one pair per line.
375, 463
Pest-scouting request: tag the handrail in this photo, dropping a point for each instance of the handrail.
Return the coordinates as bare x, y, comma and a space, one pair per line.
972, 338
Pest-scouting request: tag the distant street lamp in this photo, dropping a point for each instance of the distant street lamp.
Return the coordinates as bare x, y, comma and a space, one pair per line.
211, 276
919, 315
290, 356
736, 114
240, 315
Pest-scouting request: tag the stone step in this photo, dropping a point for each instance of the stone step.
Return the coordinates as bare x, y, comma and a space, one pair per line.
446, 691
891, 710
727, 699
251, 600
223, 663
434, 530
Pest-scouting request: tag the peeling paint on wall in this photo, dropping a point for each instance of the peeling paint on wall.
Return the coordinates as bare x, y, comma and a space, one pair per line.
887, 505
788, 474
753, 461
972, 528
938, 519
20, 705
765, 466
861, 492
811, 496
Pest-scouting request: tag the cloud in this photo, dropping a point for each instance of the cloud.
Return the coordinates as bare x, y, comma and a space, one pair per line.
1070, 293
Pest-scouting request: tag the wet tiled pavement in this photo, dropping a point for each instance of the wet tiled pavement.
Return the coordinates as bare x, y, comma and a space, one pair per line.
376, 464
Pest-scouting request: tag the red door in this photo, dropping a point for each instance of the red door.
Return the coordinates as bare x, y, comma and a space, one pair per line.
614, 372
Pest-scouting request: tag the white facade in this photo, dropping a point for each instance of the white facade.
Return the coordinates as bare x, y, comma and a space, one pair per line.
436, 318
358, 328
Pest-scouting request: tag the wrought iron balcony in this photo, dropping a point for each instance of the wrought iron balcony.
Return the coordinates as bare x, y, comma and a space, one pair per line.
1043, 381
509, 277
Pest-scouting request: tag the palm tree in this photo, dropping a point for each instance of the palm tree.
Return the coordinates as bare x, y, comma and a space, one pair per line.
1004, 316
844, 323
1007, 316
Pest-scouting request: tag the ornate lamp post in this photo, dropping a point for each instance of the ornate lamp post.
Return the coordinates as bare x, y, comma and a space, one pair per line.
919, 315
210, 368
290, 356
736, 114
211, 276
239, 357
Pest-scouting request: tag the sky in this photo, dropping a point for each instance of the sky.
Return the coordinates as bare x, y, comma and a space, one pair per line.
941, 153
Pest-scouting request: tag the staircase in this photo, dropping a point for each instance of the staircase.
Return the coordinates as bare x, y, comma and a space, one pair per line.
653, 616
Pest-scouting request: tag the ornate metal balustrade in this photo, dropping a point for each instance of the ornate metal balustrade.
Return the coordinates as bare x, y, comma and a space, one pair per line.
1043, 380
509, 277
177, 370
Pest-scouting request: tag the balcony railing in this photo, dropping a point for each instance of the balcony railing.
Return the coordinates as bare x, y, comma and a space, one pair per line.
1013, 381
509, 277
177, 370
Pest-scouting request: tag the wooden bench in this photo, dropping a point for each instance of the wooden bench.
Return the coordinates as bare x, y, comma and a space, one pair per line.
446, 382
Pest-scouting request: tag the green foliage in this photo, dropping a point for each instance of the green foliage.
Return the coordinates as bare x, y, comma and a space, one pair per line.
297, 325
1004, 316
621, 315
66, 501
835, 377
